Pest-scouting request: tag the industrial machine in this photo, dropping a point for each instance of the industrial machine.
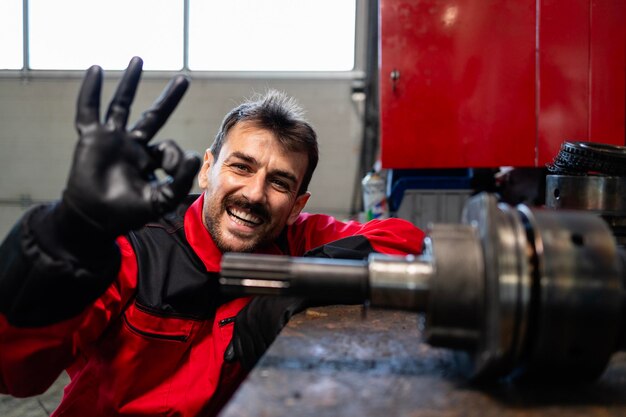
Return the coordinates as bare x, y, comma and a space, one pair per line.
514, 290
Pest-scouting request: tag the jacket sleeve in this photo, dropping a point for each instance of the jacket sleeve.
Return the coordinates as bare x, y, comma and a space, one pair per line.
313, 233
260, 321
55, 299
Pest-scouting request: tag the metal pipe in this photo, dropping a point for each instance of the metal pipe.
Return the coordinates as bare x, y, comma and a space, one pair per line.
518, 290
331, 280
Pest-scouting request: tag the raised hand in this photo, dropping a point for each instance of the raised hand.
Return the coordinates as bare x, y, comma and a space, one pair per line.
112, 182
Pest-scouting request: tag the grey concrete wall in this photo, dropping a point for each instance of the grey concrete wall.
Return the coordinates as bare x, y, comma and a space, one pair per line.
37, 134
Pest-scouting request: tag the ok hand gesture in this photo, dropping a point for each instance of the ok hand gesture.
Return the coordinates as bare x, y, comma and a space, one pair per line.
112, 182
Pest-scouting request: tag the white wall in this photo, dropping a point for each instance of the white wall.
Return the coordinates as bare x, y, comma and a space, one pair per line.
37, 134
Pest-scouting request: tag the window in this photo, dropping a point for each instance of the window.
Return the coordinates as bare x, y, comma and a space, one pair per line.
170, 35
11, 34
74, 34
277, 35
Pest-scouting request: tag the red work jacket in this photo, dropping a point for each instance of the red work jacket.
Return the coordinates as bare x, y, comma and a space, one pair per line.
141, 349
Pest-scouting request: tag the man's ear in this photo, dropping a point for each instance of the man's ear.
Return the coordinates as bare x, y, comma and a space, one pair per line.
203, 180
297, 207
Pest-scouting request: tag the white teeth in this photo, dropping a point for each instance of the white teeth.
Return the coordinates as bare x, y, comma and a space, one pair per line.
245, 216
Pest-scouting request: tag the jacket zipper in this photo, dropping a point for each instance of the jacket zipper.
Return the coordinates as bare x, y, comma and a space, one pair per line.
226, 321
180, 338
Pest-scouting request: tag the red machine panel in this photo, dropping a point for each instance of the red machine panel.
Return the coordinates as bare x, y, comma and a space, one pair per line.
491, 83
608, 71
564, 75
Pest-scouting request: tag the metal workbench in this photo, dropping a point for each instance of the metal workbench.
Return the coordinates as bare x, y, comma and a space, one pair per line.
342, 361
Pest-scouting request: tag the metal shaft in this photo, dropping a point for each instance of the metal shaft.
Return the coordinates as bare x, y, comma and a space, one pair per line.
512, 288
338, 281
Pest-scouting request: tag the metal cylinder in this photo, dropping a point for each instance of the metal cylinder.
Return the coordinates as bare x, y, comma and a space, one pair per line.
600, 194
514, 289
400, 282
506, 285
328, 280
577, 293
455, 308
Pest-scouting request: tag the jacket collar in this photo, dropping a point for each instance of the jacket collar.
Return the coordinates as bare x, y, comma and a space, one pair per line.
199, 238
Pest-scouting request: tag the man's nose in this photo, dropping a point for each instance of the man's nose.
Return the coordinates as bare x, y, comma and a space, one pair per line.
255, 189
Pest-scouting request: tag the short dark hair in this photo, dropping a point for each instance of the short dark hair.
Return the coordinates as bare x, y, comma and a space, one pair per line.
283, 117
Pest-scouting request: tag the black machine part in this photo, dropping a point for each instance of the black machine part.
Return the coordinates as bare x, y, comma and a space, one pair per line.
513, 290
585, 158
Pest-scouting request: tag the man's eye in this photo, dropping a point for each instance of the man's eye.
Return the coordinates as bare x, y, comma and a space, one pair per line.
281, 185
241, 167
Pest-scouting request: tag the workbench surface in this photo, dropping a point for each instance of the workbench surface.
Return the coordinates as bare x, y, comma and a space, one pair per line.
344, 361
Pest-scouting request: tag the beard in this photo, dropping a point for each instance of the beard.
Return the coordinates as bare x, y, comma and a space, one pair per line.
214, 212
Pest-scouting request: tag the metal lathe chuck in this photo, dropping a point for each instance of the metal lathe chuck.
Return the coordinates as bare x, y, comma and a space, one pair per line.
514, 290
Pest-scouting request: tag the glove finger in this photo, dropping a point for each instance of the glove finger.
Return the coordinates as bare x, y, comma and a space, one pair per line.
155, 117
119, 109
181, 168
173, 160
88, 104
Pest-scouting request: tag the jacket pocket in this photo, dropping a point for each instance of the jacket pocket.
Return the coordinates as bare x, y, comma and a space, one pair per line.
149, 325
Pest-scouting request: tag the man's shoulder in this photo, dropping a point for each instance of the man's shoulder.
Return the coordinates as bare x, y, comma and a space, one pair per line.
313, 217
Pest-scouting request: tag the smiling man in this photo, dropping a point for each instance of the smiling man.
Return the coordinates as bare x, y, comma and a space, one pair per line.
117, 282
255, 184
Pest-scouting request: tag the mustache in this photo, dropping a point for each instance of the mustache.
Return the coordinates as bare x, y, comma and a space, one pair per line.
257, 209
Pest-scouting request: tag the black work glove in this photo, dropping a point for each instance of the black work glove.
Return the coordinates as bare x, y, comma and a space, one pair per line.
112, 183
257, 325
63, 256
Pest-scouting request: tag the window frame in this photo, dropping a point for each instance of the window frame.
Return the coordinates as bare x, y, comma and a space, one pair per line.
358, 71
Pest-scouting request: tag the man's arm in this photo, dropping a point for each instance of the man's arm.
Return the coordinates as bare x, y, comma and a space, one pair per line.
61, 257
260, 321
31, 358
325, 236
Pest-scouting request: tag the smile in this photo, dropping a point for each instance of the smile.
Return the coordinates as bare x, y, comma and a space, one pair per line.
244, 218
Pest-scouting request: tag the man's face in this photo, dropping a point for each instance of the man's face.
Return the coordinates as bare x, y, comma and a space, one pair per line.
250, 191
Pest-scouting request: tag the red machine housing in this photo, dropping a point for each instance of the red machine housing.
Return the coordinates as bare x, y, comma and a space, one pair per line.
471, 84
